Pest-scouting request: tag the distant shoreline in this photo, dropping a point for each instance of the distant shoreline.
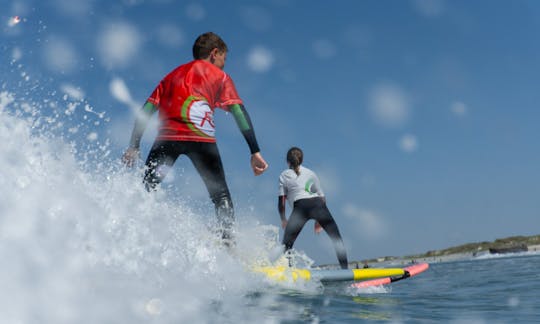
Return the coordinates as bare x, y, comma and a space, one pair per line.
445, 258
467, 251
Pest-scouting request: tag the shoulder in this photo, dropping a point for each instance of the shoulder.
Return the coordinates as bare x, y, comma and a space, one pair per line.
286, 174
177, 72
306, 170
184, 67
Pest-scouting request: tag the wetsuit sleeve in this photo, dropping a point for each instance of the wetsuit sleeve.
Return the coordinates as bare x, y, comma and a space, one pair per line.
282, 196
281, 206
244, 124
141, 121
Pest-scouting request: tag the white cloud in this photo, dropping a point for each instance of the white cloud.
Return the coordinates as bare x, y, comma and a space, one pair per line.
59, 55
429, 8
256, 18
368, 224
76, 8
408, 143
458, 108
260, 59
195, 12
389, 105
72, 91
170, 35
324, 49
118, 44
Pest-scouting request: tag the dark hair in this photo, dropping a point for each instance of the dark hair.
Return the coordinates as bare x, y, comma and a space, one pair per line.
295, 157
205, 43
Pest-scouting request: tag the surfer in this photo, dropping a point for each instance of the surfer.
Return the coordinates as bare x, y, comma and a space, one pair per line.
186, 99
301, 187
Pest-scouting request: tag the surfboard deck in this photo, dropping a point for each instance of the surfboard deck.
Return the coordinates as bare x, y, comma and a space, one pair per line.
283, 273
410, 271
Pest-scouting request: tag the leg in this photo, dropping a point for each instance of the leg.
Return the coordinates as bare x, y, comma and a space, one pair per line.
160, 159
207, 161
324, 217
296, 222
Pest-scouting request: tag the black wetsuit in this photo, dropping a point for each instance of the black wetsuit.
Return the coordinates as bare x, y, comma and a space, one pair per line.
206, 159
204, 156
314, 208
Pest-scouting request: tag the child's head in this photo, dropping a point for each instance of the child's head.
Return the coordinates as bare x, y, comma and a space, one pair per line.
211, 47
295, 157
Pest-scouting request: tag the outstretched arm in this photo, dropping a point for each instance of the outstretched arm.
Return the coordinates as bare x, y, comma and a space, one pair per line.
243, 121
141, 122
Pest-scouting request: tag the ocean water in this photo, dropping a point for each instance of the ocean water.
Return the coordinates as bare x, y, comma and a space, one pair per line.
501, 289
82, 242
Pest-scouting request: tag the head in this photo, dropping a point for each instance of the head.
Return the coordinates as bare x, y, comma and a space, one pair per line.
295, 157
210, 47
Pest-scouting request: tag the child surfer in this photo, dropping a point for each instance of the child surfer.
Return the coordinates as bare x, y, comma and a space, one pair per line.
301, 187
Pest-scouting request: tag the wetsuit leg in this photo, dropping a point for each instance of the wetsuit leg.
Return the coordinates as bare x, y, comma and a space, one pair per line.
207, 161
160, 159
296, 222
322, 215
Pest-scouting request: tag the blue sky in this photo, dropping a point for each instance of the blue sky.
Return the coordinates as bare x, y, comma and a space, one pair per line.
419, 116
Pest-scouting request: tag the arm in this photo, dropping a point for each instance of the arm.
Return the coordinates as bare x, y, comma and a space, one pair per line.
243, 121
281, 209
141, 122
244, 124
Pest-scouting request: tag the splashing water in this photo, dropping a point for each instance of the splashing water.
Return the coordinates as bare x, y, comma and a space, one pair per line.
82, 241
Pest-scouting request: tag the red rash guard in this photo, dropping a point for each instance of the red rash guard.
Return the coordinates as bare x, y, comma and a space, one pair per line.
186, 99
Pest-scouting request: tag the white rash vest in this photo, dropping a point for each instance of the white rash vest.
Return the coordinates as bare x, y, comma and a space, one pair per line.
295, 187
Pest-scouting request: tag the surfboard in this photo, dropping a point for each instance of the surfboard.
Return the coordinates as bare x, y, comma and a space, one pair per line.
283, 273
409, 271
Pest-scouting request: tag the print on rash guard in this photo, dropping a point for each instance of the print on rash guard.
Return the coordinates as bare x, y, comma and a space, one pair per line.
186, 99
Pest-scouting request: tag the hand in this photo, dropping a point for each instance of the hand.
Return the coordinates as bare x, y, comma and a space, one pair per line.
258, 164
130, 156
283, 223
318, 228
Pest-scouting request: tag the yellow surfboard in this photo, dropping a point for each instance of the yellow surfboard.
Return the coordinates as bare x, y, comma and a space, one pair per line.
283, 273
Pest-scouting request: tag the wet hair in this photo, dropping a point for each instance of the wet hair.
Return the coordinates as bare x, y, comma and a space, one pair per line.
295, 157
205, 43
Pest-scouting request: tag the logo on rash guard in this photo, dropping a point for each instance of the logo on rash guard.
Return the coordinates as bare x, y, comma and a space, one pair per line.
309, 187
201, 116
209, 118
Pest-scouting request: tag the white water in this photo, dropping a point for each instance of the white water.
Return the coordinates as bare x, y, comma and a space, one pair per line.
83, 242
